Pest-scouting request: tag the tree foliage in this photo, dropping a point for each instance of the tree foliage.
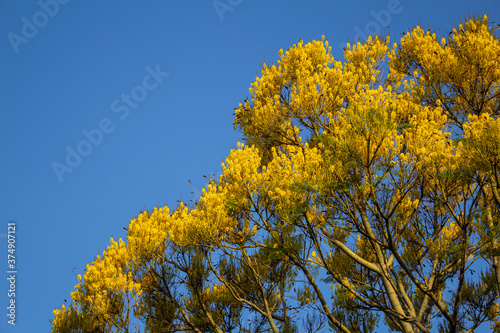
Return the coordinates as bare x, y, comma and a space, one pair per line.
366, 193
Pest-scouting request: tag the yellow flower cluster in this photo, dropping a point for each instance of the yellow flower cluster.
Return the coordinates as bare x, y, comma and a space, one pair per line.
345, 290
482, 142
212, 217
363, 59
147, 232
100, 294
296, 93
428, 145
218, 294
221, 202
459, 71
448, 236
240, 172
315, 260
66, 319
292, 167
110, 272
367, 129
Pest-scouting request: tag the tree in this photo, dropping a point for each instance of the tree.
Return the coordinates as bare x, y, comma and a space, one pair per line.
366, 193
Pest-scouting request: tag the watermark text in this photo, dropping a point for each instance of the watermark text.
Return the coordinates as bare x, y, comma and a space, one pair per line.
95, 136
11, 272
29, 28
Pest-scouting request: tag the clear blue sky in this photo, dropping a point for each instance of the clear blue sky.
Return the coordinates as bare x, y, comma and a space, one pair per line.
109, 107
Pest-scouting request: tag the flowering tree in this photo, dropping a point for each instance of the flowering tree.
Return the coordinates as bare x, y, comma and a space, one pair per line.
367, 192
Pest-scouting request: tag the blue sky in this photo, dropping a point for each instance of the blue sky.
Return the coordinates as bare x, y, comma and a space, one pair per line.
111, 107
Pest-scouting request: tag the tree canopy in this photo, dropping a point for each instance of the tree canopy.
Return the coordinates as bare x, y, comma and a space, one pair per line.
365, 193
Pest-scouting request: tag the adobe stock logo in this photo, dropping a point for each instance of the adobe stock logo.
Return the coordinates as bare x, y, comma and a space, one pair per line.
29, 29
94, 137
